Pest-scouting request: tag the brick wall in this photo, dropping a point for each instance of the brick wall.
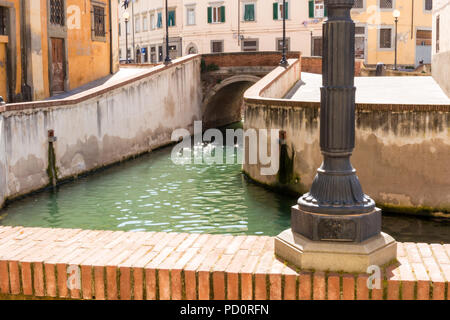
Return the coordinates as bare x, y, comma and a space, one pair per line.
85, 264
314, 65
249, 59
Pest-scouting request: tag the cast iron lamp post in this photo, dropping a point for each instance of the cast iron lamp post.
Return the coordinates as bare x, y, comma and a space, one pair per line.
396, 15
311, 33
167, 60
336, 208
126, 17
335, 226
283, 61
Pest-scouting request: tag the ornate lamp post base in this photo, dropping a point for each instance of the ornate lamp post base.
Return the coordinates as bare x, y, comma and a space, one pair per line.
335, 226
332, 227
335, 256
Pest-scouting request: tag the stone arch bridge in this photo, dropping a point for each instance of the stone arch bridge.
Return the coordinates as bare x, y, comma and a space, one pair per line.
225, 78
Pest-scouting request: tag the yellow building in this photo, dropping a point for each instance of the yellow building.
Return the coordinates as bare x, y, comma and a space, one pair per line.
375, 31
50, 46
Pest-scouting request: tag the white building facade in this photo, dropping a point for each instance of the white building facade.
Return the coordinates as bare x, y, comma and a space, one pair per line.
207, 26
441, 44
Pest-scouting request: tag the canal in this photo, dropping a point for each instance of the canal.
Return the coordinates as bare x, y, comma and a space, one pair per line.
151, 193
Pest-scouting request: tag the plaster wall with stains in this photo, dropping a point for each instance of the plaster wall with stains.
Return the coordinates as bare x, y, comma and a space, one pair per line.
401, 157
112, 126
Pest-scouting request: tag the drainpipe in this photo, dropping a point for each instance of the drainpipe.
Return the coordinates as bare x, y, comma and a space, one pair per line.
412, 19
111, 64
26, 89
132, 19
239, 23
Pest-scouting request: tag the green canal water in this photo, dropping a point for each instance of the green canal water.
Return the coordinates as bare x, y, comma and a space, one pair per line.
151, 193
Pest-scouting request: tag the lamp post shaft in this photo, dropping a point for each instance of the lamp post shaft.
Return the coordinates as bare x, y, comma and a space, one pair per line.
396, 24
126, 41
167, 60
283, 61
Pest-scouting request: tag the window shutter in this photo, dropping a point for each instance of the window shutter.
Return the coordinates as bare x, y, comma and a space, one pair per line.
275, 11
171, 18
159, 25
325, 11
222, 14
286, 10
209, 14
311, 8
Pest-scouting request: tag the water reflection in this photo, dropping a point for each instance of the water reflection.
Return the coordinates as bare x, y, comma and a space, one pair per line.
153, 194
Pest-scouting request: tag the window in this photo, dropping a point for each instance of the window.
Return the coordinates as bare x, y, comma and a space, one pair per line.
278, 11
317, 9
152, 21
250, 45
280, 44
99, 22
216, 46
360, 42
190, 16
359, 4
317, 46
3, 21
386, 4
171, 18
145, 23
438, 22
159, 22
120, 53
57, 12
249, 12
216, 14
137, 24
153, 54
385, 38
423, 37
428, 5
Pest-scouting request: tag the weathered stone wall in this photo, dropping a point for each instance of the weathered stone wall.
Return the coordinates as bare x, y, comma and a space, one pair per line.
98, 128
401, 154
262, 58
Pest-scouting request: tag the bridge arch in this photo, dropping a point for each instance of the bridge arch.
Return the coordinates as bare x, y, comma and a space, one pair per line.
223, 103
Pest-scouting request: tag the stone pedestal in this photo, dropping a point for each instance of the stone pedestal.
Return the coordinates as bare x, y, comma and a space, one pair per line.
335, 256
355, 227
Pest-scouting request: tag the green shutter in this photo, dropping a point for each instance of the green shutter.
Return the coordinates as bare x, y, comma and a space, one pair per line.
311, 8
325, 11
249, 13
171, 18
222, 14
286, 10
159, 23
275, 11
209, 14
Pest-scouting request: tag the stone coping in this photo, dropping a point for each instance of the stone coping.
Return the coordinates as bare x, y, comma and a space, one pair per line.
88, 264
94, 92
254, 96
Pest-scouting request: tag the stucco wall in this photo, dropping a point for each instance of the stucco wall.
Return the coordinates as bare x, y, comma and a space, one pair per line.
441, 59
401, 151
100, 129
89, 59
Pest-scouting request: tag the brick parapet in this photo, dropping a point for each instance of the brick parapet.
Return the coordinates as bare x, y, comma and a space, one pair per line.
87, 264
